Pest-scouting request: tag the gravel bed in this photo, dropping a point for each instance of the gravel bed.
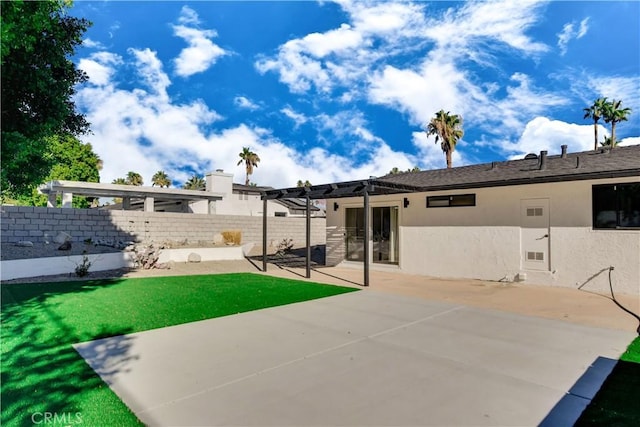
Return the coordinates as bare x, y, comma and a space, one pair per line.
41, 250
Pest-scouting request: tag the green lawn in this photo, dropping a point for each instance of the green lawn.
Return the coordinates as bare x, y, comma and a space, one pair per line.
41, 372
618, 401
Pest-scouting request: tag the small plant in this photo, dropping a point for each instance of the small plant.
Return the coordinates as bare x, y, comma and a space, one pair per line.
232, 237
284, 247
82, 269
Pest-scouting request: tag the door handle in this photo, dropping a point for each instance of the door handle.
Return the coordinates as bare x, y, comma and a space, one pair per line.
543, 237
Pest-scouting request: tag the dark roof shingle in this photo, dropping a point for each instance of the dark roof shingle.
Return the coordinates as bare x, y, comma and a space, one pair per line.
618, 162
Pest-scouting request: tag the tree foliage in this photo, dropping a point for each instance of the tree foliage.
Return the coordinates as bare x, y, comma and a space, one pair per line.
161, 179
595, 113
72, 161
448, 130
132, 178
38, 82
250, 160
614, 114
301, 184
195, 183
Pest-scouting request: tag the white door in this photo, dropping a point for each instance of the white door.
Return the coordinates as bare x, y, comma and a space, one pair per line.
534, 234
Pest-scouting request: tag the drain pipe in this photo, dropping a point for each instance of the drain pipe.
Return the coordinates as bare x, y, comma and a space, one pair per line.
543, 160
564, 151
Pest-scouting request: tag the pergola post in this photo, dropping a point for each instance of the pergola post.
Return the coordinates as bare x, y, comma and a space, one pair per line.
67, 199
264, 234
366, 236
308, 237
52, 200
149, 204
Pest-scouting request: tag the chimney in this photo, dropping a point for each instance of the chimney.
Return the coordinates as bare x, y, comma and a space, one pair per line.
494, 165
564, 151
577, 162
543, 160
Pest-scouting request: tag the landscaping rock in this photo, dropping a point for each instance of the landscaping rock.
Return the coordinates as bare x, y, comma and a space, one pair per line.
62, 237
194, 257
25, 243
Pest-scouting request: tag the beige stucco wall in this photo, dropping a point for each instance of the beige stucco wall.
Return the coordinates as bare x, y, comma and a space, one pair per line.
484, 241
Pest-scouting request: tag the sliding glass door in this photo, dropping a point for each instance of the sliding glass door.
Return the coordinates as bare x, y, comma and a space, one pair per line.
384, 233
354, 225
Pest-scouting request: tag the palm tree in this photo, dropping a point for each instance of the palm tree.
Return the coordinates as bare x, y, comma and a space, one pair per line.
448, 129
119, 181
134, 178
161, 179
613, 113
394, 171
250, 160
595, 112
607, 142
195, 183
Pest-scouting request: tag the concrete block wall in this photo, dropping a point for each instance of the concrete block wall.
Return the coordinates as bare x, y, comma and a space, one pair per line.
335, 251
31, 223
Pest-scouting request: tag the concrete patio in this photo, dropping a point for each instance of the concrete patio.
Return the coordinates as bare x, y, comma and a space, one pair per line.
376, 357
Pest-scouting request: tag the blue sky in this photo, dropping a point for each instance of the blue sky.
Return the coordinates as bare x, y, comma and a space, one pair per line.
334, 91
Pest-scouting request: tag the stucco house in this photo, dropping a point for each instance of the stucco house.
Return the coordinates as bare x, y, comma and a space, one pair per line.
552, 220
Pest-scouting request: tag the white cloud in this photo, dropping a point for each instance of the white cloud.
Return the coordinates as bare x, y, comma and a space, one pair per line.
150, 68
568, 33
542, 133
635, 140
420, 93
245, 103
458, 30
361, 63
298, 118
202, 53
92, 44
99, 66
147, 131
188, 16
616, 87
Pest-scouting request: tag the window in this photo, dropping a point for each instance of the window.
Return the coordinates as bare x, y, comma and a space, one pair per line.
451, 201
616, 206
280, 213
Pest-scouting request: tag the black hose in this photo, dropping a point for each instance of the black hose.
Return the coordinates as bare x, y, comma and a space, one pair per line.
613, 297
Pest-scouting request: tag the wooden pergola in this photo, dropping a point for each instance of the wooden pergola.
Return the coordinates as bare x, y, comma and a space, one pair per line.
363, 188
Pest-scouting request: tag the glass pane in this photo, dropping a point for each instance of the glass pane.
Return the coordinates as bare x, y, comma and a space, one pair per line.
385, 235
354, 234
604, 206
463, 200
629, 205
437, 201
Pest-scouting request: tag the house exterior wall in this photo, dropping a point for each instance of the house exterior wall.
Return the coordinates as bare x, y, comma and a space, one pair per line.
484, 241
234, 203
31, 223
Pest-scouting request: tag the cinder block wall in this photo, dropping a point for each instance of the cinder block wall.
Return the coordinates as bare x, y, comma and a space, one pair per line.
31, 223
